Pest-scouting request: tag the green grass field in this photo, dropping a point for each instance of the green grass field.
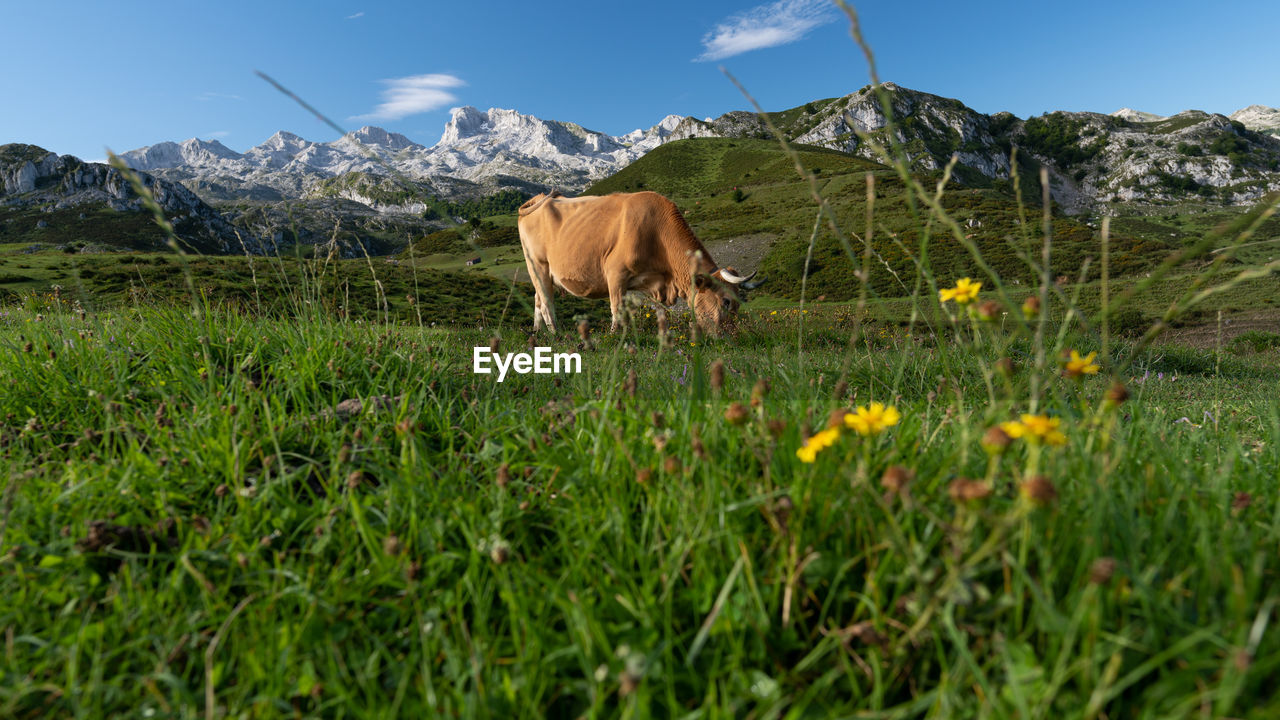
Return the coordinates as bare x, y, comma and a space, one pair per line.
192, 516
274, 487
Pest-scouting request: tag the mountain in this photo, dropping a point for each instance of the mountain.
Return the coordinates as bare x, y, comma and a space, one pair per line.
1260, 118
1092, 158
53, 195
479, 152
1127, 156
1136, 115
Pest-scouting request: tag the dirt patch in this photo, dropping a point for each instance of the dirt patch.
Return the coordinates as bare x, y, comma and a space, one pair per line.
744, 253
1205, 335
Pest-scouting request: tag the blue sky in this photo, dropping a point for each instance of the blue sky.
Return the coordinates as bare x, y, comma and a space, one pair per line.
79, 76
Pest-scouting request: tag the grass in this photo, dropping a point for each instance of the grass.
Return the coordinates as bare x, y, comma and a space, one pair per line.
300, 500
538, 548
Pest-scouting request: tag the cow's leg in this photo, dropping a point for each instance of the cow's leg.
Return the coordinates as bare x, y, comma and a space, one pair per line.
548, 294
540, 276
617, 290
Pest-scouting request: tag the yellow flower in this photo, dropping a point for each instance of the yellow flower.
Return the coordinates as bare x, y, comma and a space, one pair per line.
872, 420
1036, 429
820, 441
965, 292
1078, 366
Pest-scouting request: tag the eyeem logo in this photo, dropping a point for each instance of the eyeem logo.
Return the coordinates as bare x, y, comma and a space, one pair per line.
541, 362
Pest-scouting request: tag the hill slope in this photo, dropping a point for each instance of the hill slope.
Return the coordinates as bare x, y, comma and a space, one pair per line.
744, 200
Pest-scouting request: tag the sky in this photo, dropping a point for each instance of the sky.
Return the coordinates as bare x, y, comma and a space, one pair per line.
81, 76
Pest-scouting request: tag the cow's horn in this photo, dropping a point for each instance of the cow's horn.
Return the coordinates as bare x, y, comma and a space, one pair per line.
753, 285
733, 277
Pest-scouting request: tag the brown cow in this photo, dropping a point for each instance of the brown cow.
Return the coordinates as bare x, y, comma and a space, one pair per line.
597, 247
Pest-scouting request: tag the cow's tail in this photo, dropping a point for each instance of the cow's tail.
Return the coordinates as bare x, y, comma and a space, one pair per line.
536, 202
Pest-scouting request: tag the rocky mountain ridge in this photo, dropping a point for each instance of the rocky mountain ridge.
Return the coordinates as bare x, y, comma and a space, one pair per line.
479, 152
33, 178
1093, 158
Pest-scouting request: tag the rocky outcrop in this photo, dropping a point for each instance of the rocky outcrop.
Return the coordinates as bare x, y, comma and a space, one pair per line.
34, 177
1260, 118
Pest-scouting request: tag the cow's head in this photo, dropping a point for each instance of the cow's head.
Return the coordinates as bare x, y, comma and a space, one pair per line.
719, 296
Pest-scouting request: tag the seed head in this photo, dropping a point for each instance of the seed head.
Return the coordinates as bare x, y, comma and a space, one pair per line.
643, 475
1101, 570
1031, 307
671, 465
632, 382
1039, 490
504, 476
776, 427
737, 414
584, 330
996, 440
989, 311
896, 478
717, 375
759, 391
494, 342
695, 442
1241, 501
964, 490
1117, 394
354, 478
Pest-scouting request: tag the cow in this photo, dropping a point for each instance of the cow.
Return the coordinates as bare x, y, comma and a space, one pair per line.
606, 246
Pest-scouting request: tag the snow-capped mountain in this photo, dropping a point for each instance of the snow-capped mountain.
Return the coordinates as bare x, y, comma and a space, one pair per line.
1127, 155
478, 150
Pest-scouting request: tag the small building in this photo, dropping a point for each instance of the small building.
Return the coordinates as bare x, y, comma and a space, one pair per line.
473, 261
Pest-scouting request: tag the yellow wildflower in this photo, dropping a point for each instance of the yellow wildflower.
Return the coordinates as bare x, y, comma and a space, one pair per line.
1036, 429
1077, 366
873, 419
820, 441
965, 292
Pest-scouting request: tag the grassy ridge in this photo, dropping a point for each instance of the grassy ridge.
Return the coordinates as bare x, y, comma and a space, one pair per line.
729, 188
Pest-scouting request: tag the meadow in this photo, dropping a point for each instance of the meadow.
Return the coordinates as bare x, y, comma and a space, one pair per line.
238, 515
274, 487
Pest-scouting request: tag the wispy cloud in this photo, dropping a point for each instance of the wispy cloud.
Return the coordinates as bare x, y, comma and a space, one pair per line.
218, 134
413, 95
357, 15
210, 95
779, 23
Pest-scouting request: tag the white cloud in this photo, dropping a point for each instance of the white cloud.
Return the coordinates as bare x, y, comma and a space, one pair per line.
413, 95
357, 15
218, 134
210, 95
779, 23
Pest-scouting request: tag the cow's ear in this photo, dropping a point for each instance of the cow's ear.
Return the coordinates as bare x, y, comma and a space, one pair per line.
703, 281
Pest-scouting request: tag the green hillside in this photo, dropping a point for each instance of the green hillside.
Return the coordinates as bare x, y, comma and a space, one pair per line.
747, 191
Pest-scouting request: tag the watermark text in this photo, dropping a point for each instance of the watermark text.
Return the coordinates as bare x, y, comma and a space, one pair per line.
541, 362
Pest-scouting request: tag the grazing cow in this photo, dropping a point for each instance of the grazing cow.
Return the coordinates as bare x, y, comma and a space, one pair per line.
605, 246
